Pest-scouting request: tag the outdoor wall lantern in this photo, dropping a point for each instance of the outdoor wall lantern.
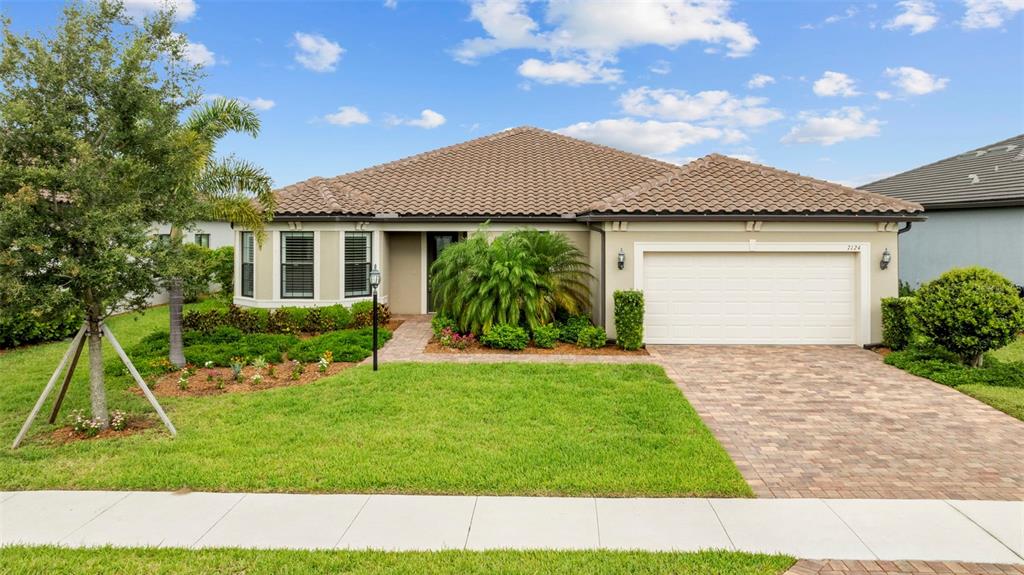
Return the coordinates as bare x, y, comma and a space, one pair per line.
374, 283
622, 259
886, 258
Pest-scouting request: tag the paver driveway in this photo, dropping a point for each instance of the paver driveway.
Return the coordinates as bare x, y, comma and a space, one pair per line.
836, 422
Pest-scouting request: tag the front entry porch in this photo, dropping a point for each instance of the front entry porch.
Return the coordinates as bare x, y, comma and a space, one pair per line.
407, 260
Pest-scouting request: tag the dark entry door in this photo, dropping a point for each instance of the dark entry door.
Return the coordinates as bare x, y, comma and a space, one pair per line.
436, 243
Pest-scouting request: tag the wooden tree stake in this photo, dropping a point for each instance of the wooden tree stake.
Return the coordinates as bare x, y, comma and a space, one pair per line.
138, 379
75, 343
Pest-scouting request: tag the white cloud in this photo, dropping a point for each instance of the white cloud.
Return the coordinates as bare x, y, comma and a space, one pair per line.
428, 119
760, 81
914, 82
717, 107
316, 52
260, 104
834, 18
570, 72
837, 126
650, 137
392, 4
585, 30
883, 95
661, 67
989, 13
183, 9
835, 84
199, 55
347, 116
918, 15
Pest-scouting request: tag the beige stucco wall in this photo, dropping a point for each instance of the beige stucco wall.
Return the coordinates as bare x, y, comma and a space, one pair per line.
883, 283
330, 265
263, 268
404, 266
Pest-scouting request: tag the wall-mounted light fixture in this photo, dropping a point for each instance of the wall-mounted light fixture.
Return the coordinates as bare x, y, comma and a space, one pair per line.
886, 258
622, 258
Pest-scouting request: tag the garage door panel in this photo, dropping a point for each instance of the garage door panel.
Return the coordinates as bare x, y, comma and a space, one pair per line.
749, 297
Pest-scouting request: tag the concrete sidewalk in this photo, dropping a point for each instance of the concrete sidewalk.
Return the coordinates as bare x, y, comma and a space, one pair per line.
930, 530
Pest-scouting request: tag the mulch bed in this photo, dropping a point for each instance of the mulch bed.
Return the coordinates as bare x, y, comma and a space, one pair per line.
136, 424
561, 348
218, 380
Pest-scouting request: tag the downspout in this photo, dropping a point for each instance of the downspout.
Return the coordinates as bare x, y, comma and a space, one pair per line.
905, 230
601, 277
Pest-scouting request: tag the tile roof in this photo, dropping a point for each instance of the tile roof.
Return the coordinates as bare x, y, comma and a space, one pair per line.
992, 175
532, 172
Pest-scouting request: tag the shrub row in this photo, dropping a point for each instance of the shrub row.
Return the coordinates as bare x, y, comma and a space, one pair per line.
283, 320
38, 325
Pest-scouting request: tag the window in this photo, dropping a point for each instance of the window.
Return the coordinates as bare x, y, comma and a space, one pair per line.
164, 239
203, 240
247, 263
358, 254
297, 264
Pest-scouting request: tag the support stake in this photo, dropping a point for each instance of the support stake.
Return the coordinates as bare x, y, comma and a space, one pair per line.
75, 343
67, 380
138, 379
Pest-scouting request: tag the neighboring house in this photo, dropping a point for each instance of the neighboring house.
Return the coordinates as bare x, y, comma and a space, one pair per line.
211, 234
975, 206
725, 251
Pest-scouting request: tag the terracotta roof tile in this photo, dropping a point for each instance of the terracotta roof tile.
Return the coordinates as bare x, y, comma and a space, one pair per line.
531, 172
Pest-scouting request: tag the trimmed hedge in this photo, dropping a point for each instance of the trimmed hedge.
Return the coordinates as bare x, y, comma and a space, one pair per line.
348, 345
362, 314
546, 336
283, 320
897, 328
592, 337
506, 336
38, 325
570, 328
969, 311
629, 318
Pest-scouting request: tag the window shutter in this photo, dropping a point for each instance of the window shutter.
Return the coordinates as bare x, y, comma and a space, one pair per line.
248, 257
357, 263
297, 274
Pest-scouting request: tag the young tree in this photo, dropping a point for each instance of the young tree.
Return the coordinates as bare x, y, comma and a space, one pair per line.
222, 188
89, 147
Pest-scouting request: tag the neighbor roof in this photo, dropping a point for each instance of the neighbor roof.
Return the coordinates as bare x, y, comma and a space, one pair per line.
989, 176
529, 172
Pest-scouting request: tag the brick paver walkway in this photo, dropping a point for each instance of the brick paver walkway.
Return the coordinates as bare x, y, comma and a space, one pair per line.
901, 568
836, 422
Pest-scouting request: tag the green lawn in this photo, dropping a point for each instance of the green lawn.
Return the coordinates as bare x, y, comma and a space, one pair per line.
529, 429
1012, 352
32, 560
1009, 400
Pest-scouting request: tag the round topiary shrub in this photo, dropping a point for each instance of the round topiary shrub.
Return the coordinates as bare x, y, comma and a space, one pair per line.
969, 311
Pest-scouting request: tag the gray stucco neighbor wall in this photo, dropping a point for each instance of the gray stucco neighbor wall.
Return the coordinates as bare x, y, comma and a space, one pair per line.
987, 237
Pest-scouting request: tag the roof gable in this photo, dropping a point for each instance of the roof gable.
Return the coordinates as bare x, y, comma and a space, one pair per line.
990, 175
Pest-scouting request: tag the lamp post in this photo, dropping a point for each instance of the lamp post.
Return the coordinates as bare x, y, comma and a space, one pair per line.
374, 282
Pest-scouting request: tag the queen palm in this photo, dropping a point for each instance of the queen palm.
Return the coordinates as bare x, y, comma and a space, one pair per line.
226, 189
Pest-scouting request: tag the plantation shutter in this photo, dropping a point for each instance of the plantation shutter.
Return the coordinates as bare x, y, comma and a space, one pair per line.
357, 263
297, 264
248, 257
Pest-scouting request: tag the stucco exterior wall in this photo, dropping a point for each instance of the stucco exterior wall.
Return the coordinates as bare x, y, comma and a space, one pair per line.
989, 237
882, 283
221, 235
405, 268
330, 262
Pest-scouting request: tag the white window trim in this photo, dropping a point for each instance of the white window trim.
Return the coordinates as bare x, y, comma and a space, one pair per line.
862, 251
423, 272
238, 269
374, 247
279, 245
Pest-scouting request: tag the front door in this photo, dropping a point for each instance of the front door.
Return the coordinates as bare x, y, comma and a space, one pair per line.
436, 243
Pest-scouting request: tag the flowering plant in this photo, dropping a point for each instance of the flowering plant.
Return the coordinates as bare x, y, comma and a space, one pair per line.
86, 426
325, 360
297, 369
118, 420
452, 339
256, 379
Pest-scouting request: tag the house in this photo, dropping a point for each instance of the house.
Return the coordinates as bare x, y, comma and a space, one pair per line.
725, 251
975, 205
210, 234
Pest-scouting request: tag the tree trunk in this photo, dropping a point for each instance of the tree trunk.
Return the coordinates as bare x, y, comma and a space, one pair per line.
175, 305
97, 387
977, 360
177, 347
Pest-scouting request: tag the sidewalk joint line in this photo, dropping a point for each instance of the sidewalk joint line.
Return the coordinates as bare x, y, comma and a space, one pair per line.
852, 530
597, 518
465, 544
95, 517
987, 532
219, 519
351, 523
721, 523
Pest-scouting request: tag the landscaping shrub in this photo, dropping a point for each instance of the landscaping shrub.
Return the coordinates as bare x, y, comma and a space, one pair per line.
520, 278
200, 263
592, 337
546, 336
946, 368
346, 345
570, 330
362, 314
969, 311
282, 320
45, 322
441, 322
271, 347
329, 318
286, 320
629, 318
450, 338
506, 336
223, 266
896, 322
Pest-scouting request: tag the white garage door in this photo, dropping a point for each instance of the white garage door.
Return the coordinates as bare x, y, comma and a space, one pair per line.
771, 298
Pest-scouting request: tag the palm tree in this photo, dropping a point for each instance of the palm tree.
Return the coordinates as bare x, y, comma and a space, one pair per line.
226, 189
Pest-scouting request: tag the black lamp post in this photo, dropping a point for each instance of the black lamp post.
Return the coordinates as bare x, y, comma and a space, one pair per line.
374, 283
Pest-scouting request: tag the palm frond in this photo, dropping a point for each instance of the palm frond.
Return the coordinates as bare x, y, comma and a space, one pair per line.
218, 117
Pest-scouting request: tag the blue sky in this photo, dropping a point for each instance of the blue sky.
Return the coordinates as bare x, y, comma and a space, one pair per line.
846, 91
